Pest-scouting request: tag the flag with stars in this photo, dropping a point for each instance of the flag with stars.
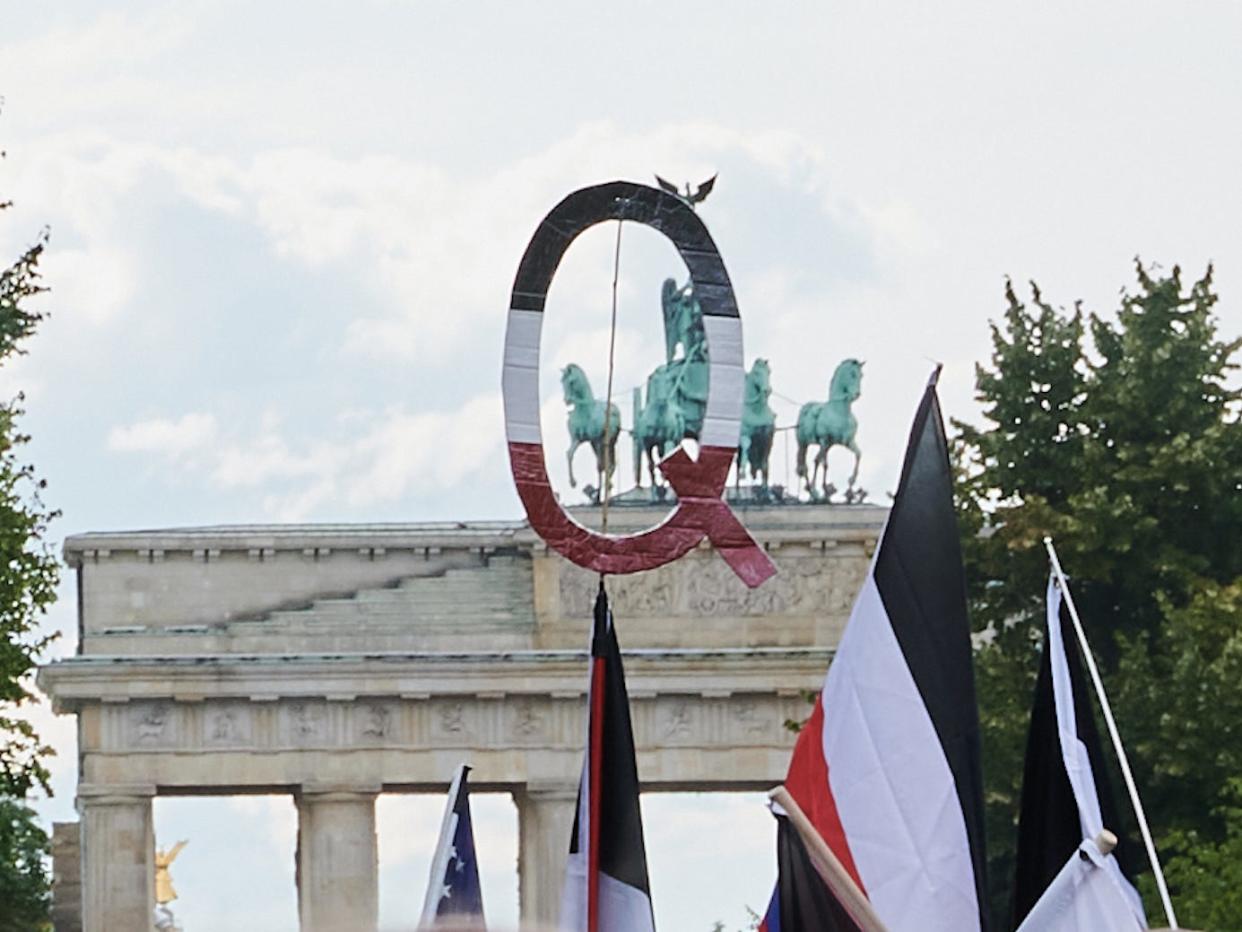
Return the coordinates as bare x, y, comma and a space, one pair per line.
453, 892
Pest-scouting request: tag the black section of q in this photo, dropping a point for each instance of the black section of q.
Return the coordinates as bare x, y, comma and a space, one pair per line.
624, 200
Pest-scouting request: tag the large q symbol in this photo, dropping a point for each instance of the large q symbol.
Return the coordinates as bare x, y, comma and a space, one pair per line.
700, 511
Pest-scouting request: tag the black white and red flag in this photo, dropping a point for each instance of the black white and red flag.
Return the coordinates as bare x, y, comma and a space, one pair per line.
606, 886
1067, 802
887, 768
801, 901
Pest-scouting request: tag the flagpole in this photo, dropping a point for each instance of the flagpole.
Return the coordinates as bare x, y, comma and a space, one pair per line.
1114, 734
827, 865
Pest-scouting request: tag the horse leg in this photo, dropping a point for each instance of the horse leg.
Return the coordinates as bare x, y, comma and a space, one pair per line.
820, 472
573, 448
802, 463
597, 447
857, 459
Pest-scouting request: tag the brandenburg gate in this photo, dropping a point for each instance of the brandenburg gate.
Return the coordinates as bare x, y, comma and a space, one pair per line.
338, 662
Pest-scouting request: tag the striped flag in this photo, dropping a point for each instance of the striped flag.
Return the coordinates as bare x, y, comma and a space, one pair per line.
606, 887
454, 896
887, 768
1066, 803
801, 901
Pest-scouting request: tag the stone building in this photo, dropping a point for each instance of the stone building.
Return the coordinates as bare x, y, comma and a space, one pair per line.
336, 662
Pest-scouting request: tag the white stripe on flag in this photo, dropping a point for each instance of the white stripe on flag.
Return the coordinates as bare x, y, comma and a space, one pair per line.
622, 908
892, 784
1074, 753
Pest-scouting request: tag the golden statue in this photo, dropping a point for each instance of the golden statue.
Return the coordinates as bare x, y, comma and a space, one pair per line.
164, 892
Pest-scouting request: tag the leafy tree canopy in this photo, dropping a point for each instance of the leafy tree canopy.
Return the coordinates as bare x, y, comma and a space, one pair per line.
28, 569
1120, 438
25, 901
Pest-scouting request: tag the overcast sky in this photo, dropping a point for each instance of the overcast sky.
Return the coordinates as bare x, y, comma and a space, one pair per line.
283, 237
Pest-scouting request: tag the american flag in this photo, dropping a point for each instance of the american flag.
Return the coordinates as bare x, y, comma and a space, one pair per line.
453, 891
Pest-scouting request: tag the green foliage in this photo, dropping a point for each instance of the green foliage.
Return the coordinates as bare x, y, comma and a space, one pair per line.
1126, 448
25, 901
1209, 874
28, 569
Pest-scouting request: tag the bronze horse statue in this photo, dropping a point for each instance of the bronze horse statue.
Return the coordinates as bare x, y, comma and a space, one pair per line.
588, 418
758, 425
831, 423
659, 425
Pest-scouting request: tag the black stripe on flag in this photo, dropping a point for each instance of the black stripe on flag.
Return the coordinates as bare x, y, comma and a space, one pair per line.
622, 851
805, 904
1049, 828
918, 572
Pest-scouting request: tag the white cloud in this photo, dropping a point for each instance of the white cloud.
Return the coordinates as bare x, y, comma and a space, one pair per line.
168, 437
364, 459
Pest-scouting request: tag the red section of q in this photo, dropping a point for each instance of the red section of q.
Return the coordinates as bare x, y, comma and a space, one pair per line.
700, 512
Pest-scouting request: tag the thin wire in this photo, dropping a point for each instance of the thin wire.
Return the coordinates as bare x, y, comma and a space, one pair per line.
612, 348
1113, 733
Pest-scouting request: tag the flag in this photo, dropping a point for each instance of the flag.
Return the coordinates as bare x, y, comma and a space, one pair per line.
606, 887
801, 901
887, 768
453, 892
1087, 895
1065, 799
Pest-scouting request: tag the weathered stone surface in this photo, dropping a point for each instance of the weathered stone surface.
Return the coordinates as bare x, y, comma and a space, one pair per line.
66, 877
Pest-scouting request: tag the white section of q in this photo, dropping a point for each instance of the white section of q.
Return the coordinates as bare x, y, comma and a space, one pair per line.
520, 378
1084, 897
891, 781
722, 421
1074, 754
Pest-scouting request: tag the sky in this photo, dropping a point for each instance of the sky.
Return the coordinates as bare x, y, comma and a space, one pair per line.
283, 237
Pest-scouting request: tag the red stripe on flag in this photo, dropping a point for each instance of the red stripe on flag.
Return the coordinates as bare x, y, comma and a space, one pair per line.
807, 782
596, 781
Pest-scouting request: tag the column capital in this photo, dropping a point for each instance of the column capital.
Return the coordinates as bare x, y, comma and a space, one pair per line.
550, 790
342, 792
116, 794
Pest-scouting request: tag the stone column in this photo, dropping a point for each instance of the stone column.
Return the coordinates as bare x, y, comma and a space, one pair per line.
118, 858
545, 821
337, 859
66, 877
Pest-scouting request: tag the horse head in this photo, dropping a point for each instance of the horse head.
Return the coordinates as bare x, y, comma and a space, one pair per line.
574, 384
846, 382
758, 383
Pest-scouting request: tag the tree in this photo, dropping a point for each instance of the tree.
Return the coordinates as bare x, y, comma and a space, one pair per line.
1126, 447
28, 576
24, 885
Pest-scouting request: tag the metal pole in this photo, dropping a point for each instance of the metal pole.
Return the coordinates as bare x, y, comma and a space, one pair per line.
1113, 733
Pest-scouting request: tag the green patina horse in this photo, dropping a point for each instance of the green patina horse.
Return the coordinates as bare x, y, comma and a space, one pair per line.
758, 424
587, 419
831, 423
660, 424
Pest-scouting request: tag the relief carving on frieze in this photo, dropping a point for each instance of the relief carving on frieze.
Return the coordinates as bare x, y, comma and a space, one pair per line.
697, 586
375, 722
150, 724
528, 722
306, 723
227, 725
647, 595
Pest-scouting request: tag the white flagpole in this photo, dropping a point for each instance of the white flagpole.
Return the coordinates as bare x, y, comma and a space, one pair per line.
1115, 735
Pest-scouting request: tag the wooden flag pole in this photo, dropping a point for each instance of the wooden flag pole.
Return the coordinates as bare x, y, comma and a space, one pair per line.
1089, 659
827, 865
